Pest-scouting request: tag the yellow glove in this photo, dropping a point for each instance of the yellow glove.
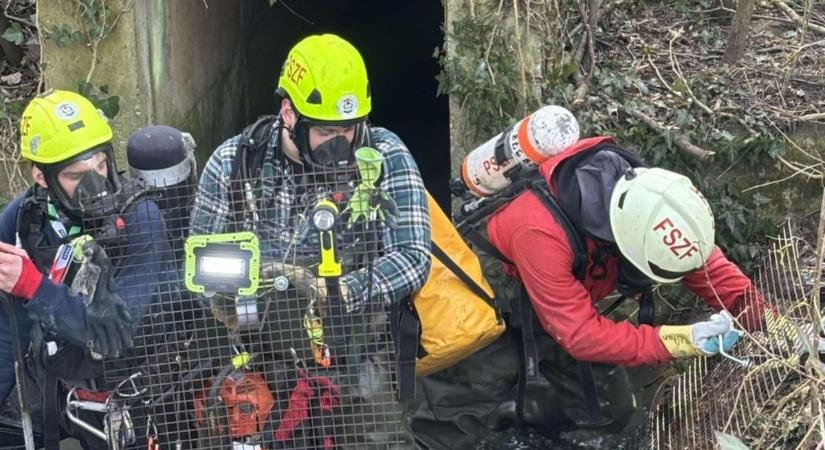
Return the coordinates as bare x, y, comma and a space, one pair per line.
701, 338
677, 341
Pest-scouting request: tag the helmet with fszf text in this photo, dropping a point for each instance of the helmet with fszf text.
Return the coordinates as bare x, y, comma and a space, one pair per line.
661, 223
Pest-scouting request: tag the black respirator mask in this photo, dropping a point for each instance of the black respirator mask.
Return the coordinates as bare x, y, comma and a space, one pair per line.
631, 280
91, 188
94, 195
93, 192
336, 153
332, 162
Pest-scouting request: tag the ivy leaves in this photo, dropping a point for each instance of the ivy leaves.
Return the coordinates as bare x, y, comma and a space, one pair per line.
14, 34
109, 104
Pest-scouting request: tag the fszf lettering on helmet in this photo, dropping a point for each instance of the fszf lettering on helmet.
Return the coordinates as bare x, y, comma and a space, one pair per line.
683, 248
295, 71
25, 124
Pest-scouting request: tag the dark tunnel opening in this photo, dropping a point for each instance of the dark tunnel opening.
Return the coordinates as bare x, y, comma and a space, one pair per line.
397, 41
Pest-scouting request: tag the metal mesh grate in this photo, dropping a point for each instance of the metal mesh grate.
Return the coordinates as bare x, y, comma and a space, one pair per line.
769, 399
179, 389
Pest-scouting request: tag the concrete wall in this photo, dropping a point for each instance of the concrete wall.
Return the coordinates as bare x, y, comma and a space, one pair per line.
64, 67
194, 63
180, 63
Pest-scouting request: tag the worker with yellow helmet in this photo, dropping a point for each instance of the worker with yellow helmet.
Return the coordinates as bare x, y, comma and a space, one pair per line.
75, 205
307, 153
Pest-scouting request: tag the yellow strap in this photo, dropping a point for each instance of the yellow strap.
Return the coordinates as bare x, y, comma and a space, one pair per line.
240, 360
78, 243
677, 341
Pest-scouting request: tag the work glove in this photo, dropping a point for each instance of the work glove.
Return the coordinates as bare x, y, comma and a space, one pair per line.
701, 338
18, 275
385, 208
223, 310
299, 277
107, 317
305, 280
369, 203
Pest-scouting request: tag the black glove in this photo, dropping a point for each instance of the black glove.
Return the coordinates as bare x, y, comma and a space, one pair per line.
107, 317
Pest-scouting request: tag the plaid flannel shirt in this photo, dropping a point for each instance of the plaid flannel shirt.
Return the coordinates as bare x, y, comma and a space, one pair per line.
404, 264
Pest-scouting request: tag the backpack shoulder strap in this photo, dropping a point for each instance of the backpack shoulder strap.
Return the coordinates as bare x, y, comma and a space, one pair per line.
577, 243
533, 181
28, 227
442, 256
248, 163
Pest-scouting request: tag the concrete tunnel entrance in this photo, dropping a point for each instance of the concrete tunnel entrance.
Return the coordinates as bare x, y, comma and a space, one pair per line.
397, 41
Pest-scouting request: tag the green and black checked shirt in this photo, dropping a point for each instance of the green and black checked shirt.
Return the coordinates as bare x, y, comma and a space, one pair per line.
404, 264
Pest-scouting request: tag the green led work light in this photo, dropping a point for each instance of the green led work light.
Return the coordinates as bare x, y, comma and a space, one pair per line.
226, 263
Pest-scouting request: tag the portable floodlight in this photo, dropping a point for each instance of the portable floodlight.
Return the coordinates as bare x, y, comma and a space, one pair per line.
226, 263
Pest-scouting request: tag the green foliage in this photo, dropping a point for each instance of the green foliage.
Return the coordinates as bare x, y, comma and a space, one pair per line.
96, 23
729, 442
64, 36
13, 34
11, 108
486, 85
109, 104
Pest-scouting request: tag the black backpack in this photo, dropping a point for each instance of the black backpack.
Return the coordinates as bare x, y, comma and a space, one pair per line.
631, 282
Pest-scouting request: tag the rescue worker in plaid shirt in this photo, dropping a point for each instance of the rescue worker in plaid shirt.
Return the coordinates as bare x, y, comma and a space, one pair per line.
307, 153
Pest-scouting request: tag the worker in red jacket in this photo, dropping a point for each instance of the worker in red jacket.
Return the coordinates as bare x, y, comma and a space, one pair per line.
599, 220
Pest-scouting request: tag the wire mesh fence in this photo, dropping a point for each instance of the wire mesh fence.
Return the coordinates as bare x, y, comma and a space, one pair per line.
296, 362
767, 393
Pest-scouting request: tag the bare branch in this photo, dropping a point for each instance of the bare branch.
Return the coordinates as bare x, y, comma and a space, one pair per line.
797, 18
681, 142
811, 117
674, 63
590, 19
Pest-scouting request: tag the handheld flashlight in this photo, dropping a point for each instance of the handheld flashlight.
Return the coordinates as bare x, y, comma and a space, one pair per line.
324, 216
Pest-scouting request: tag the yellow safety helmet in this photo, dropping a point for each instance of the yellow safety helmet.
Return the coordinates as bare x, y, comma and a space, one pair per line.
60, 125
326, 80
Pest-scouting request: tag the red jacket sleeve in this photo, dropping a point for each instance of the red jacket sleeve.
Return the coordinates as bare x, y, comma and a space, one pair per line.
723, 286
565, 309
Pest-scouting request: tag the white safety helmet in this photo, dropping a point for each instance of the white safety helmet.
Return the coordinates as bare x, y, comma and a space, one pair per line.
661, 223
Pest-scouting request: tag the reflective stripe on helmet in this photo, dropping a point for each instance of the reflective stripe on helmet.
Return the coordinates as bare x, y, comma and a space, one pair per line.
170, 176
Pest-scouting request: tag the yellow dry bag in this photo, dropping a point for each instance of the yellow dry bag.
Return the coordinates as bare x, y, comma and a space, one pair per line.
455, 307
